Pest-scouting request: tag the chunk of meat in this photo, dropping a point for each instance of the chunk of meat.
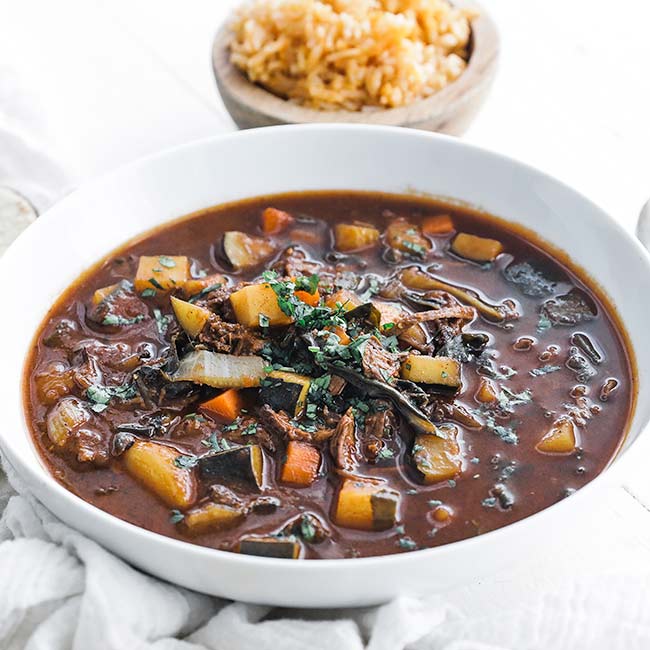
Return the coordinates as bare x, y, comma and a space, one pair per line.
230, 338
247, 430
343, 445
90, 446
570, 309
380, 426
104, 364
293, 262
278, 423
120, 308
53, 382
63, 334
192, 426
445, 313
378, 363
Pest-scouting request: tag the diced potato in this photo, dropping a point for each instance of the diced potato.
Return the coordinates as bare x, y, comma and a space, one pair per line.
439, 371
437, 459
255, 299
244, 251
210, 516
154, 465
195, 285
407, 237
365, 504
561, 439
477, 249
191, 318
101, 294
290, 393
347, 299
354, 237
441, 224
162, 273
66, 416
487, 392
390, 314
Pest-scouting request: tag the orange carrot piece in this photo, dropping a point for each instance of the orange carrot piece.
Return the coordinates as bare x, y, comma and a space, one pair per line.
341, 333
438, 225
228, 405
311, 299
301, 467
275, 221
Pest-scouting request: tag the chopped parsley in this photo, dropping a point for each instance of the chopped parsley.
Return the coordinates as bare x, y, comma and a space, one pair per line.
307, 529
385, 453
176, 516
167, 262
186, 461
117, 320
203, 292
544, 370
102, 395
544, 323
162, 321
148, 293
407, 543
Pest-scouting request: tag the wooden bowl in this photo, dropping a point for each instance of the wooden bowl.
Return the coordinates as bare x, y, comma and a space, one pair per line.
449, 110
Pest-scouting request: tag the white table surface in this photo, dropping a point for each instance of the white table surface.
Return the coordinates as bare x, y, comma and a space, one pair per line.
107, 81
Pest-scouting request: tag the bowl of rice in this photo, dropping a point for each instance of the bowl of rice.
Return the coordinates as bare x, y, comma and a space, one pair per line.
424, 64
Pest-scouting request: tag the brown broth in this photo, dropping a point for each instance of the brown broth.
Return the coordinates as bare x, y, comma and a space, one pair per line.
535, 480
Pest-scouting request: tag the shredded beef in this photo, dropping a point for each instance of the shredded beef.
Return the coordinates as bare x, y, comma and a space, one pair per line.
379, 363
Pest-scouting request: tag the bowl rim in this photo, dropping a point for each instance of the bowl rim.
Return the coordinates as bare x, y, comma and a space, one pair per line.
479, 72
120, 527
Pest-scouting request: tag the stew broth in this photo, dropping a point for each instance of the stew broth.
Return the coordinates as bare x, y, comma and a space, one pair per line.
516, 365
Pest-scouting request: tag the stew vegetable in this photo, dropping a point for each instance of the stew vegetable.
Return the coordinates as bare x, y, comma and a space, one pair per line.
326, 375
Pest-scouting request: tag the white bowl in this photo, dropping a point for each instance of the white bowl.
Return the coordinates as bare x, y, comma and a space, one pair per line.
92, 221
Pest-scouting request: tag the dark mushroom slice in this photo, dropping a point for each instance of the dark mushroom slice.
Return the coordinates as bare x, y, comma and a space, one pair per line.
279, 547
238, 465
374, 388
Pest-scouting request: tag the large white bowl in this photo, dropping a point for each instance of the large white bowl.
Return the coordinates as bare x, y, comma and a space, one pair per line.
92, 221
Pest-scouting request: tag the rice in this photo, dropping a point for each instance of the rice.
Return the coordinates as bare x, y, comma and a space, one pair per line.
351, 54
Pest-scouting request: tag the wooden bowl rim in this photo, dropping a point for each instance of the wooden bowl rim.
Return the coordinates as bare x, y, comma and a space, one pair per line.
482, 62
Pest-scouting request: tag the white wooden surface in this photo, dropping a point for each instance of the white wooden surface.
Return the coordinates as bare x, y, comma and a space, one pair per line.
105, 81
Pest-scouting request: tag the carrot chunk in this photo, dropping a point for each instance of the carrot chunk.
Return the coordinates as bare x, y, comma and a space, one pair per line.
301, 467
275, 221
311, 299
228, 405
441, 224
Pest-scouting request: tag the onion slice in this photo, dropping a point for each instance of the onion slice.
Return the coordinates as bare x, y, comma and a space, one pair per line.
220, 370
